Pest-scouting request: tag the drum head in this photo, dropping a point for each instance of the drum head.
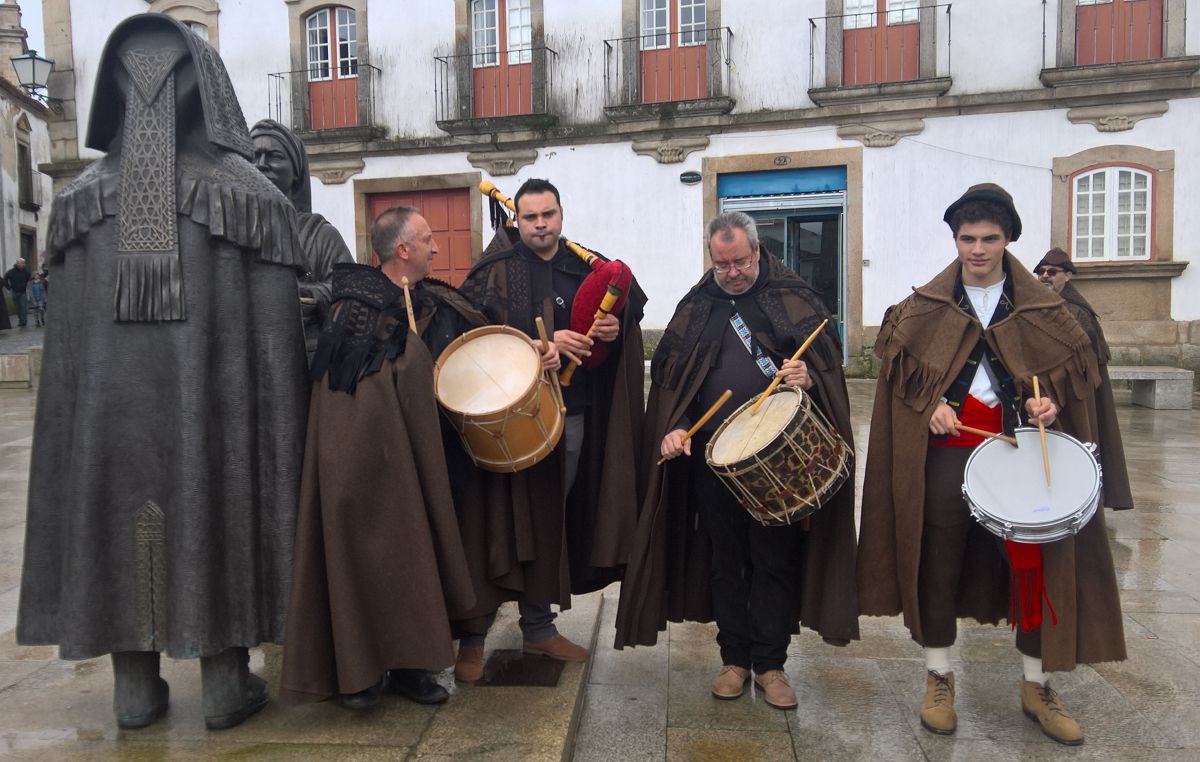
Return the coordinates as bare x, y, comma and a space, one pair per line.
1009, 482
487, 372
742, 435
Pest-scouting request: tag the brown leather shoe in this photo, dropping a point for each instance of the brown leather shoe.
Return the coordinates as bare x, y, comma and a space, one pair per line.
937, 711
777, 692
468, 667
730, 682
558, 647
1043, 705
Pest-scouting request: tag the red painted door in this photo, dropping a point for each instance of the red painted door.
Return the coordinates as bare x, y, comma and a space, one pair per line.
449, 215
876, 51
502, 78
332, 68
674, 63
1118, 30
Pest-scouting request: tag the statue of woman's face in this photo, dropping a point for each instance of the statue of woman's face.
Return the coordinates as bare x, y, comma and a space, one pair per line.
272, 160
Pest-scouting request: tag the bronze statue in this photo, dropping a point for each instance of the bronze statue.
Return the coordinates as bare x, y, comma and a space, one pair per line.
280, 155
171, 416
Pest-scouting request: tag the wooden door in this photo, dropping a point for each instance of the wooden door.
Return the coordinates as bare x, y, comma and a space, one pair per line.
876, 51
1118, 30
502, 73
674, 60
332, 68
449, 215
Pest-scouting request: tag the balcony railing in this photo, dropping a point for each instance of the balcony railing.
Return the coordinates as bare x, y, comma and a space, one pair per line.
324, 98
666, 67
874, 48
1123, 30
493, 84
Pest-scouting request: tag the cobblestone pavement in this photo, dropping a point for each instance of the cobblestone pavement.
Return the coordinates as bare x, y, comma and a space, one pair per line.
858, 702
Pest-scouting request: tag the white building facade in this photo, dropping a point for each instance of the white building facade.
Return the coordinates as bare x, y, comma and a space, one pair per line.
844, 126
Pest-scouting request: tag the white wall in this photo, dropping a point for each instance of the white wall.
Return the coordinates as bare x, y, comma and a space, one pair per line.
576, 32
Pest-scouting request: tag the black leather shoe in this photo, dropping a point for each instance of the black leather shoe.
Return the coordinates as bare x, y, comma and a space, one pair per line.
257, 697
416, 685
363, 699
135, 721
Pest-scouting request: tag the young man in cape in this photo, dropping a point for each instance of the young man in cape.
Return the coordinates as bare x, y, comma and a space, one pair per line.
964, 348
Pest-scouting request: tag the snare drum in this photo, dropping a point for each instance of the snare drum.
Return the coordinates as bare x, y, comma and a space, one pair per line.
782, 463
1005, 486
491, 384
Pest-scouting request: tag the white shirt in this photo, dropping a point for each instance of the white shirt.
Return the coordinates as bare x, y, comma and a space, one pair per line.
984, 300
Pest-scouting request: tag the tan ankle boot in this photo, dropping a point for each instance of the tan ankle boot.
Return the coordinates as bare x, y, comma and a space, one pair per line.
468, 667
777, 692
1042, 704
937, 711
730, 682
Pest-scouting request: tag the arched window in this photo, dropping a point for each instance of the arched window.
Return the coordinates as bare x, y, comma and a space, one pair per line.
331, 44
1112, 214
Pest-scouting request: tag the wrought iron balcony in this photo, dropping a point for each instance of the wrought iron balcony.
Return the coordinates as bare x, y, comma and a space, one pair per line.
495, 90
679, 72
875, 52
325, 99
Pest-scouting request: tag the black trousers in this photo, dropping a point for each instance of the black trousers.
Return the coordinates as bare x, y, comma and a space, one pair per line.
950, 533
754, 570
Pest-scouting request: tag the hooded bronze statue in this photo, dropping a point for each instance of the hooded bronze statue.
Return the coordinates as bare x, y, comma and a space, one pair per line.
170, 421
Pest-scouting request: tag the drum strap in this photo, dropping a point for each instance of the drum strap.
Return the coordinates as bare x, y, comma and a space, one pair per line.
765, 364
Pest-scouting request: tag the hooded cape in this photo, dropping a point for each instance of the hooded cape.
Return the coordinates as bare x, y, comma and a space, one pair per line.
923, 342
590, 529
380, 568
669, 578
166, 454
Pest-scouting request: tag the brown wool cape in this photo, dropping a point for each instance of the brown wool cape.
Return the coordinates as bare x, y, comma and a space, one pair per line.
668, 578
379, 563
1117, 493
543, 546
923, 342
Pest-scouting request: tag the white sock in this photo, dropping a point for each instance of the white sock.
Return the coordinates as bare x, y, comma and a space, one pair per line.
1033, 669
938, 660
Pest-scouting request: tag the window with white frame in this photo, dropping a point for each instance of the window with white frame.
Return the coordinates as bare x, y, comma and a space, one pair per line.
1093, 2
656, 24
1111, 214
317, 31
859, 14
198, 29
520, 32
691, 22
347, 38
485, 34
902, 11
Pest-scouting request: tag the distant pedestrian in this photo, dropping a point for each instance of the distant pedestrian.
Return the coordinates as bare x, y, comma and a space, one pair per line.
37, 299
17, 280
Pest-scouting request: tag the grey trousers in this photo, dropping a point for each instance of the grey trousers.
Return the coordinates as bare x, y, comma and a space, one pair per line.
224, 678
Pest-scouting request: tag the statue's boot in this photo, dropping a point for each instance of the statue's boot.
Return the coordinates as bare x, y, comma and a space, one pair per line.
231, 693
140, 696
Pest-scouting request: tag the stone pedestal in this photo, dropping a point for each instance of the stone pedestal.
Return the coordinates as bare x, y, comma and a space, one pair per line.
15, 371
1157, 387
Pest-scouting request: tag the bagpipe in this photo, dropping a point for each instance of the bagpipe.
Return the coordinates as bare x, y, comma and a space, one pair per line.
603, 292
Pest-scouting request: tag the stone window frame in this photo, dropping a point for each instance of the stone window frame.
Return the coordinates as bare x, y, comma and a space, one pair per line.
1161, 165
631, 26
203, 12
1174, 46
927, 61
298, 12
463, 50
28, 190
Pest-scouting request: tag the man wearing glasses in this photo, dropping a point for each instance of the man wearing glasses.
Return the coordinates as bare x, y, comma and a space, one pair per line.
735, 330
1055, 270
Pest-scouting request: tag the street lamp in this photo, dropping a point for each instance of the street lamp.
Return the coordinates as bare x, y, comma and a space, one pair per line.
32, 72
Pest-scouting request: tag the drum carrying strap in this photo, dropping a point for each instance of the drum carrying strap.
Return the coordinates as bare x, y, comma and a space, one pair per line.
765, 364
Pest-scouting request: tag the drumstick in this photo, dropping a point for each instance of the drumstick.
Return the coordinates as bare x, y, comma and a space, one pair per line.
703, 419
775, 381
606, 304
980, 432
1042, 433
412, 321
541, 326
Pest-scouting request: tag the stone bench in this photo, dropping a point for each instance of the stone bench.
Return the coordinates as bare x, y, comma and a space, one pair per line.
1156, 386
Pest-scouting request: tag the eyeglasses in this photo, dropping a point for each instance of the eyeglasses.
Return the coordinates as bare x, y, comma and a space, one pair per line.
741, 265
1048, 271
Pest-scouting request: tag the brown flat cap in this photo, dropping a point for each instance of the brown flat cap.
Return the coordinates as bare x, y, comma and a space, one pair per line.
1056, 257
988, 192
